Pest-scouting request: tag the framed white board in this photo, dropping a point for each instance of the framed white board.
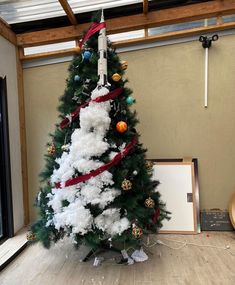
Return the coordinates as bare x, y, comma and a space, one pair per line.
179, 190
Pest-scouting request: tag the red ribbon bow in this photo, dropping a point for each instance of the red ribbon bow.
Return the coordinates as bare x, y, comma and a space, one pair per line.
156, 215
95, 27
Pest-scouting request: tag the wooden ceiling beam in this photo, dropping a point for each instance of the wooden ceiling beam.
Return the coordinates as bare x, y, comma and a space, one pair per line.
7, 33
69, 12
64, 52
145, 6
142, 40
175, 35
134, 22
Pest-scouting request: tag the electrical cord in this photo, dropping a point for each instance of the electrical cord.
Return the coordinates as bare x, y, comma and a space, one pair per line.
184, 243
155, 242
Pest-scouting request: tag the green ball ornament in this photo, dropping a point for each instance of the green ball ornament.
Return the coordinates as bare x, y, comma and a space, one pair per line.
130, 100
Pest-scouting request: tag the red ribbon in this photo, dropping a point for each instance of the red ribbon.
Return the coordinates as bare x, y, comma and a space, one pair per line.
111, 95
156, 215
95, 27
101, 169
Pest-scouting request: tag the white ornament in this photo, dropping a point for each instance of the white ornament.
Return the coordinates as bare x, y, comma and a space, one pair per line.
69, 117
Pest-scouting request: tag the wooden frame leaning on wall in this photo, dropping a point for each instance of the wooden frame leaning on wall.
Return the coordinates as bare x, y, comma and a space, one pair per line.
179, 189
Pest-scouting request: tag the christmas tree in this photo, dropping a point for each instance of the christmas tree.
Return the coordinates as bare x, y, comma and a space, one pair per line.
96, 185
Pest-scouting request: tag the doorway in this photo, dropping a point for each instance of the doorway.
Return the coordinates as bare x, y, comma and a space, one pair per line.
6, 213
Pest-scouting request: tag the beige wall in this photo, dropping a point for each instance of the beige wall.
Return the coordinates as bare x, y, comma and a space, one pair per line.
8, 69
168, 83
43, 86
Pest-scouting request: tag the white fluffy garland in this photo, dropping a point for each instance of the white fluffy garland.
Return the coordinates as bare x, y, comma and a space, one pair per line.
87, 142
109, 221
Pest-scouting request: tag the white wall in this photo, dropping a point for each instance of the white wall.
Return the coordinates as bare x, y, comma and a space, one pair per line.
8, 69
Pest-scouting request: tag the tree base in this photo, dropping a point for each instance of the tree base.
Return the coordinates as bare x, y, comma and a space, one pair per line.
103, 248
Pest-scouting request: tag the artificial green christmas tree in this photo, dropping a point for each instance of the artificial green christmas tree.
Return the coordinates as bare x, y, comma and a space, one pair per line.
96, 185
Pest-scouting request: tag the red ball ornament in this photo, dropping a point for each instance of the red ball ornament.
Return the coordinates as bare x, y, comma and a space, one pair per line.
121, 126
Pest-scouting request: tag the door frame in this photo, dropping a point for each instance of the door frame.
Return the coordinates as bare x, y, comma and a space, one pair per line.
5, 166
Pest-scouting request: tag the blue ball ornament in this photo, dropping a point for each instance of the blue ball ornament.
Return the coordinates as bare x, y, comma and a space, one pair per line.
130, 100
77, 78
87, 55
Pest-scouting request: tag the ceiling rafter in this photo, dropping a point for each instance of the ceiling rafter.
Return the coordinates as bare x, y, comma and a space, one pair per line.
145, 6
134, 22
141, 40
69, 12
62, 52
6, 32
175, 34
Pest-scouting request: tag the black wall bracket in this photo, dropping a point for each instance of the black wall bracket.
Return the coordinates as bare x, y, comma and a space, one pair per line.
207, 41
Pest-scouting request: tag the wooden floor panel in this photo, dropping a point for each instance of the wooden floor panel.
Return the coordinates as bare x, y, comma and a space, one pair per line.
189, 265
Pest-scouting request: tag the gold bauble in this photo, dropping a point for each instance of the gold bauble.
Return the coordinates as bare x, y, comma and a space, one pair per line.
116, 77
124, 64
149, 203
126, 185
31, 236
149, 165
51, 149
137, 232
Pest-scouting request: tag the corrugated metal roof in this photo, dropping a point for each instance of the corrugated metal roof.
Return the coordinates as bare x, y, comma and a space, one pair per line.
28, 10
18, 11
92, 5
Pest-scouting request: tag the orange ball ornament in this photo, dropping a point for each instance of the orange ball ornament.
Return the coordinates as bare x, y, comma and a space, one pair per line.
121, 127
124, 64
116, 77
